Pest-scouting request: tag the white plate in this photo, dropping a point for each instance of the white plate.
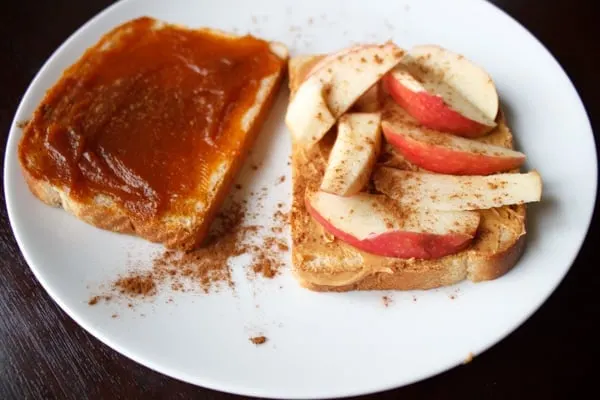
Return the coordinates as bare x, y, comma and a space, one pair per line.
324, 345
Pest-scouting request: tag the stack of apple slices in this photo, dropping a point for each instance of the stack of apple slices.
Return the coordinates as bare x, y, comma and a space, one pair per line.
333, 85
441, 103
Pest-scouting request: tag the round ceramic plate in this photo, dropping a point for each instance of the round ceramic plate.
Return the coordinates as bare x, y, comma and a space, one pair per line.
324, 344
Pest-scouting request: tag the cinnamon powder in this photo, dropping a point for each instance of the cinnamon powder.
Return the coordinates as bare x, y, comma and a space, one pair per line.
136, 285
206, 268
268, 258
96, 299
265, 266
258, 339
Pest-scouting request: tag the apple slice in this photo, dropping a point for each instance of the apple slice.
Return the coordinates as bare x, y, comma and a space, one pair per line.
456, 193
343, 78
309, 113
374, 224
445, 153
444, 91
354, 153
351, 72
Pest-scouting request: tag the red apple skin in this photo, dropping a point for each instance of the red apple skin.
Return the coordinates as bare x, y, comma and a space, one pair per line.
432, 111
448, 161
398, 244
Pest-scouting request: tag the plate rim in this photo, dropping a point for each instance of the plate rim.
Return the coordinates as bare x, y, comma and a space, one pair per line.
238, 389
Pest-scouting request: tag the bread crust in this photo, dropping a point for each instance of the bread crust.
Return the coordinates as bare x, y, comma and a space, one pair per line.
492, 266
478, 269
495, 250
103, 213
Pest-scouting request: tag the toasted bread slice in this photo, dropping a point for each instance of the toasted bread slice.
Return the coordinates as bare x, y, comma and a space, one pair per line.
184, 221
323, 263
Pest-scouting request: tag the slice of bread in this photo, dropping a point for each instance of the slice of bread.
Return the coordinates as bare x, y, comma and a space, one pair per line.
185, 222
323, 263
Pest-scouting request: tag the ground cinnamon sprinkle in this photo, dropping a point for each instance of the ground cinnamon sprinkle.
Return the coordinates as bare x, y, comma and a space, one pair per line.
207, 268
136, 285
280, 217
268, 258
204, 266
258, 339
265, 266
96, 299
200, 268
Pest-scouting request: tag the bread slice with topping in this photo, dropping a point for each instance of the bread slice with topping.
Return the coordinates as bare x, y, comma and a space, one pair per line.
323, 263
146, 132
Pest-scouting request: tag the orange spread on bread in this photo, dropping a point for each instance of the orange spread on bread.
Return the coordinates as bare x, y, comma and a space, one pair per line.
144, 100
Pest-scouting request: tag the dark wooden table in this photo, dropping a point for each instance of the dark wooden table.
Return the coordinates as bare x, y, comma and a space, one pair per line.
44, 354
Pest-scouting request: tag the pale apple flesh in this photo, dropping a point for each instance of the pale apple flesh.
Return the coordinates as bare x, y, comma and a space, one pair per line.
351, 73
308, 117
342, 79
473, 83
354, 153
373, 224
432, 111
445, 153
456, 193
444, 91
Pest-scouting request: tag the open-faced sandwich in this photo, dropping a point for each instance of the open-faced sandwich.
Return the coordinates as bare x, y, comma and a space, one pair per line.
404, 172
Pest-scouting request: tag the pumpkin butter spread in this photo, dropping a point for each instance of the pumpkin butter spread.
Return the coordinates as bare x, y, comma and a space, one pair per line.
146, 98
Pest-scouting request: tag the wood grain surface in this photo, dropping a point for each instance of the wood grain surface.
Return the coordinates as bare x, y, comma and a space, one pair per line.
44, 354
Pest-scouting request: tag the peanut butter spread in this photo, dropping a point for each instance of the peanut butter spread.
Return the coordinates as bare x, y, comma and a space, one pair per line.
147, 115
321, 259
